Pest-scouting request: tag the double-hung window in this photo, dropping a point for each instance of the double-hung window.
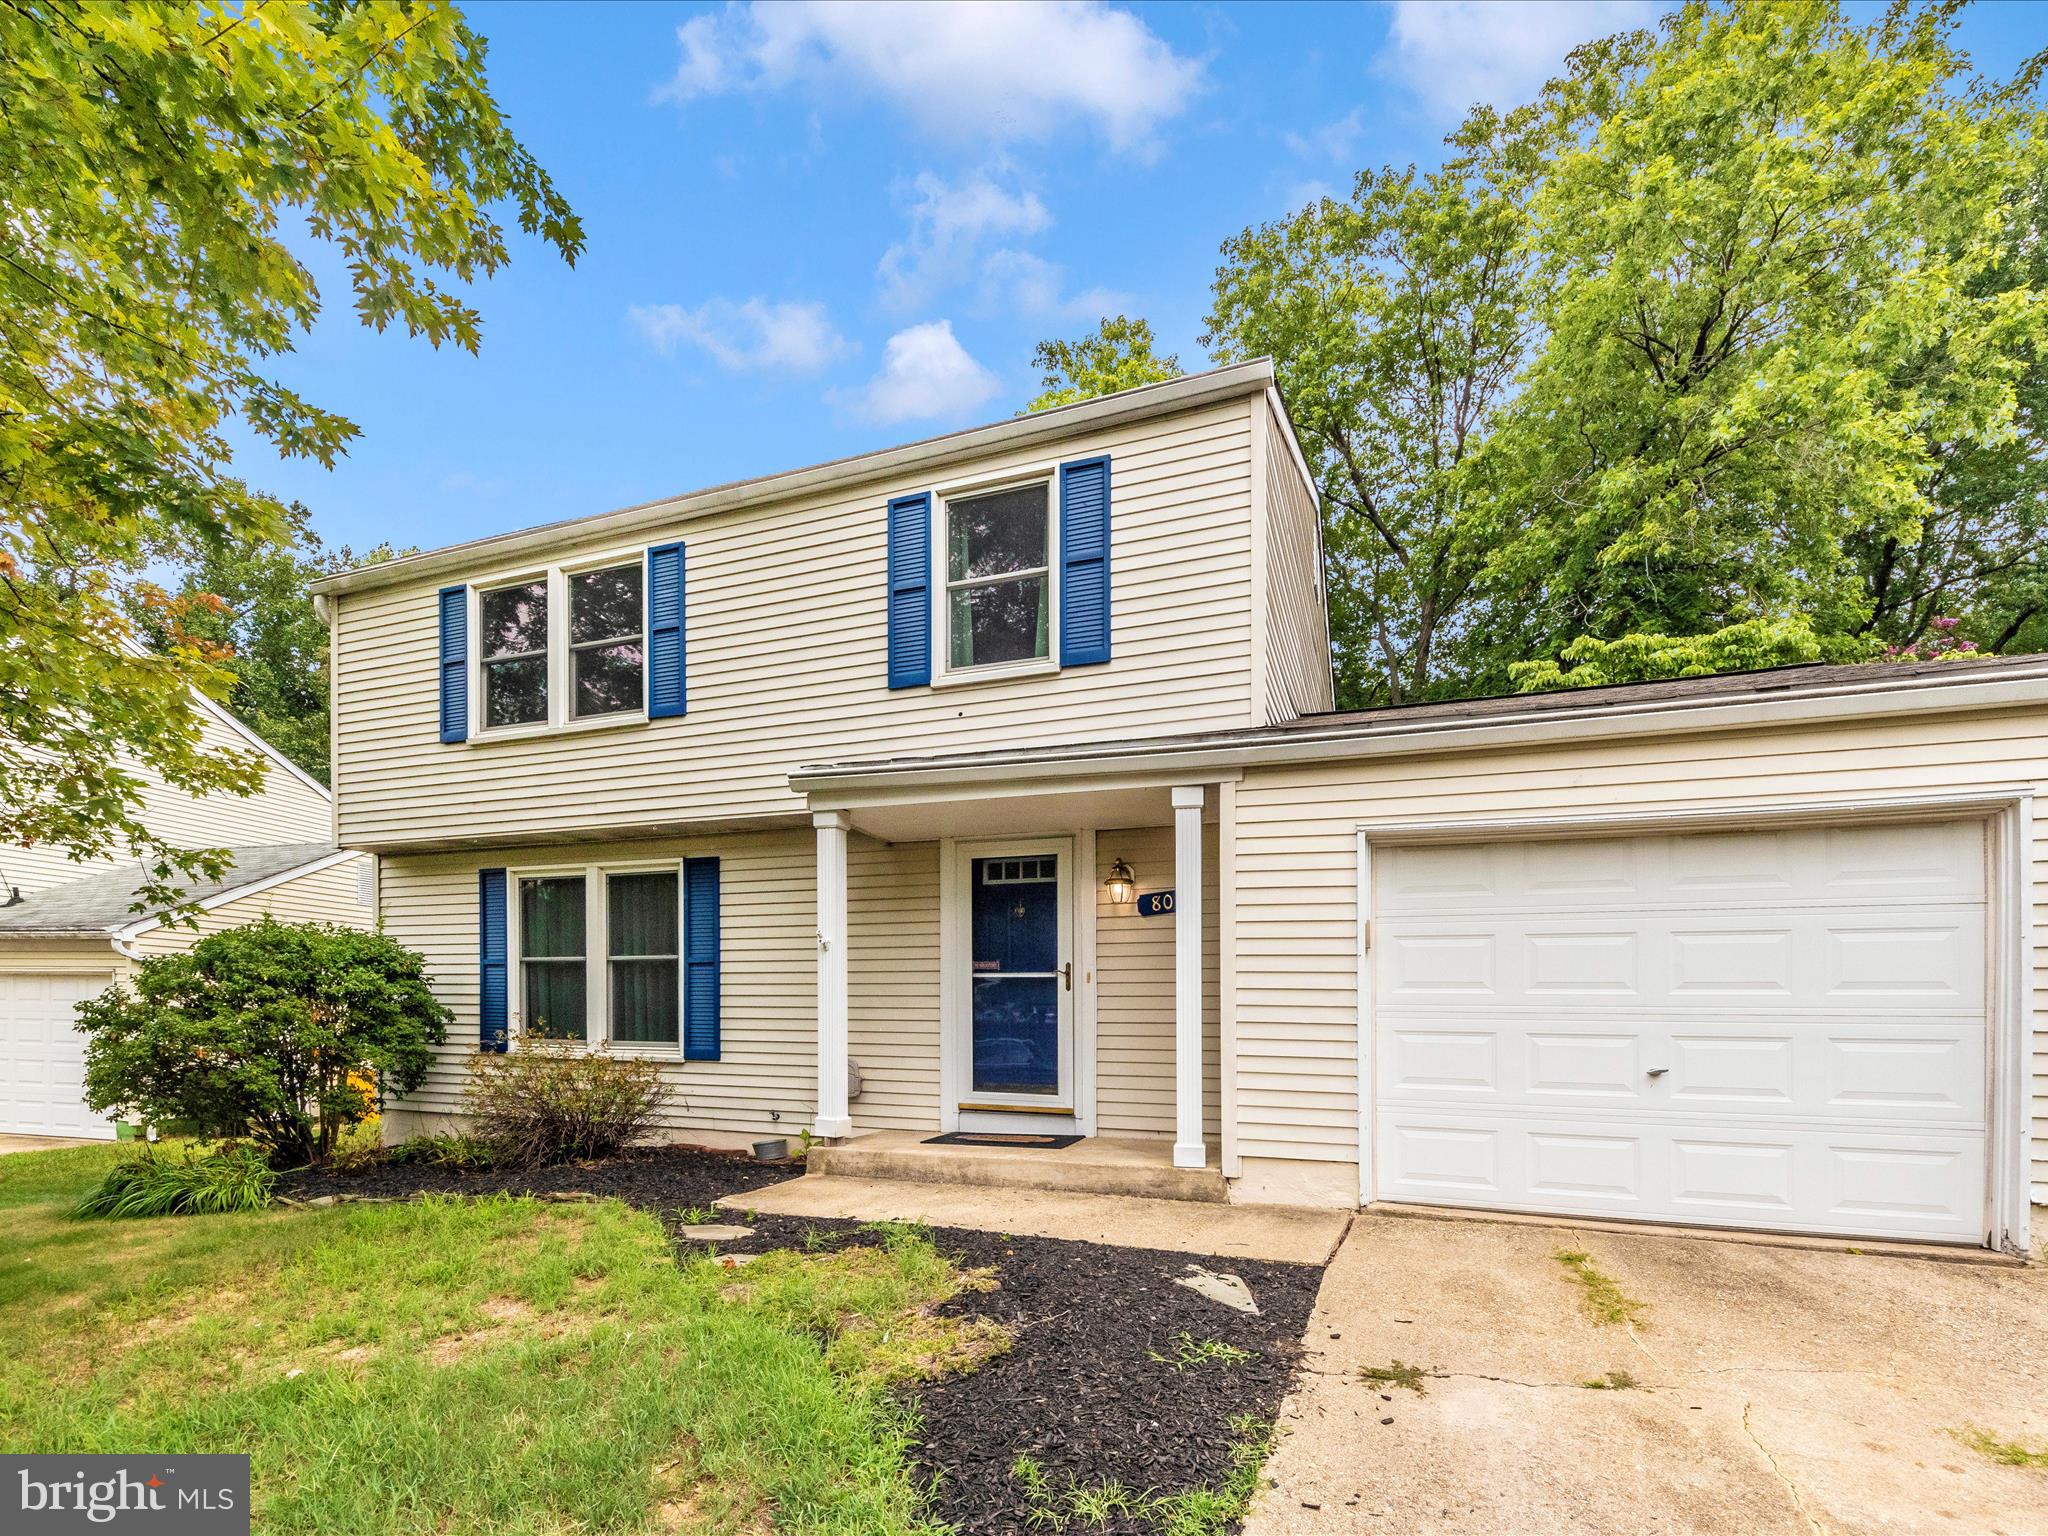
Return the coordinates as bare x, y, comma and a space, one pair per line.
563, 647
998, 605
600, 955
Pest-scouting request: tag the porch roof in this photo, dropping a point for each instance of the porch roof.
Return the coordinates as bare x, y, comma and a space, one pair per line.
1724, 701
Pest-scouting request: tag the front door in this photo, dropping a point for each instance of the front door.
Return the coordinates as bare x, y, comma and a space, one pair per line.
1019, 992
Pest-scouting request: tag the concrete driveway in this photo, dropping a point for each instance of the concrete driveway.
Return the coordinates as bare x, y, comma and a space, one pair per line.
1778, 1389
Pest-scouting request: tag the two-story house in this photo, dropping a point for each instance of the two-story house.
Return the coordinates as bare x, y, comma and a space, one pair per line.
69, 928
991, 784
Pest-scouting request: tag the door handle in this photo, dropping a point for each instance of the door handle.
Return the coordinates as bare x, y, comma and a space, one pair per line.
1657, 1071
1067, 972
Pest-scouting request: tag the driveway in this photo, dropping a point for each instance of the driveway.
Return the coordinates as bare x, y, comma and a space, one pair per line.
1777, 1389
9, 1142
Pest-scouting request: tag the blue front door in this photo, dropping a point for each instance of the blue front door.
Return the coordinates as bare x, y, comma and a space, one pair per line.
1017, 982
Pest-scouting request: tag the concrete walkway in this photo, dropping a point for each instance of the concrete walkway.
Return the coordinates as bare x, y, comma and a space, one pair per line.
1280, 1234
12, 1143
1778, 1390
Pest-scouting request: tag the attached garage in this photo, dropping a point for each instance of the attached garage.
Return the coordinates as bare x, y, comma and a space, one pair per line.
1780, 1028
42, 1089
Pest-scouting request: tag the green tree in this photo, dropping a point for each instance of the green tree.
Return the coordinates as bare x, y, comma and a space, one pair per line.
1755, 643
1770, 299
1397, 322
1118, 354
281, 1032
250, 605
157, 162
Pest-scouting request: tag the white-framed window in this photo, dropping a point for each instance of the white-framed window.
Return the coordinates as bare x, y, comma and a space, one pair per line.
597, 954
997, 553
561, 646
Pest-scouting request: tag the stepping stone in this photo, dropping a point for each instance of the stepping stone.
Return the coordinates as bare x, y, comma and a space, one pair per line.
710, 1233
1228, 1290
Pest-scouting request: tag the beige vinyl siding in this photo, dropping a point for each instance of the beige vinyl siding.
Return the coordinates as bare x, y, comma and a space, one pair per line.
322, 896
286, 809
1297, 671
786, 639
768, 975
1297, 1004
1134, 1006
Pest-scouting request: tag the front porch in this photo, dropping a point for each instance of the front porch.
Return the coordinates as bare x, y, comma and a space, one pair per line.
1079, 988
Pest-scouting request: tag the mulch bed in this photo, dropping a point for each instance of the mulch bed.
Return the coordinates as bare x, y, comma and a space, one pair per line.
1079, 1390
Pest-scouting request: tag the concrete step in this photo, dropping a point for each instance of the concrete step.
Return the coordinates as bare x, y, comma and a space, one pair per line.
1092, 1167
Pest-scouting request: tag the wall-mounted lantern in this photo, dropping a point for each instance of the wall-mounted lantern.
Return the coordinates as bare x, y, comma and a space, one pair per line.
1122, 884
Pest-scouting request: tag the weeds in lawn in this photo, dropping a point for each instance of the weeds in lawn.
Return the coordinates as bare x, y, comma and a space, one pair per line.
2007, 1453
1197, 1512
1613, 1381
1398, 1375
1189, 1351
696, 1216
1604, 1299
234, 1178
817, 1240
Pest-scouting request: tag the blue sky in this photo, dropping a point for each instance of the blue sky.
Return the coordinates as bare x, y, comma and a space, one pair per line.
818, 229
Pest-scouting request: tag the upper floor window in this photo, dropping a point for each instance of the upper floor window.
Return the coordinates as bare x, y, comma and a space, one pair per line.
607, 651
562, 647
515, 653
998, 606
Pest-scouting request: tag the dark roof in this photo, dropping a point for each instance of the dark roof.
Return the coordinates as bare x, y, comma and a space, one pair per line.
103, 902
1674, 695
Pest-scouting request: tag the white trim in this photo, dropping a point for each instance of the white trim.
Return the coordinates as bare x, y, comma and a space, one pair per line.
2008, 817
937, 498
1231, 1158
956, 1052
952, 971
909, 461
597, 981
1257, 712
554, 577
1308, 480
1086, 1033
221, 898
1877, 699
1190, 1149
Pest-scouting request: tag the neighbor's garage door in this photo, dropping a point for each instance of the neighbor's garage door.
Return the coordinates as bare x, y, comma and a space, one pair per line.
42, 1058
1780, 1029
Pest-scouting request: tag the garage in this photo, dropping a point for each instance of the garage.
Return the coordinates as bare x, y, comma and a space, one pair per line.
42, 1091
1777, 1027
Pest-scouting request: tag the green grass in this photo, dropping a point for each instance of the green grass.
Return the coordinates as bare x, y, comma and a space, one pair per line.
194, 1183
2007, 1453
1187, 1351
490, 1366
1081, 1507
1605, 1301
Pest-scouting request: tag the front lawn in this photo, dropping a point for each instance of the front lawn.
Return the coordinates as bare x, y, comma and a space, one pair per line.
490, 1365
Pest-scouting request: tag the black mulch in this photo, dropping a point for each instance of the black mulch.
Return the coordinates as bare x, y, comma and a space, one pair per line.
1079, 1390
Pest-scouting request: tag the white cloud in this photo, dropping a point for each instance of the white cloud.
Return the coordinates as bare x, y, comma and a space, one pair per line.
925, 373
999, 71
1454, 53
1027, 284
747, 337
1333, 141
948, 223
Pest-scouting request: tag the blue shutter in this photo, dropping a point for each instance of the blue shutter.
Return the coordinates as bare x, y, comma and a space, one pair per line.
910, 591
1084, 562
700, 959
490, 954
454, 664
666, 695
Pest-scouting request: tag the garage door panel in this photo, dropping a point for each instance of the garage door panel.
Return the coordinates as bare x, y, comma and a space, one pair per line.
42, 1055
1782, 1028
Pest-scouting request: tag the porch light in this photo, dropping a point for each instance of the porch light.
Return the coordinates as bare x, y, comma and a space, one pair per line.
1122, 883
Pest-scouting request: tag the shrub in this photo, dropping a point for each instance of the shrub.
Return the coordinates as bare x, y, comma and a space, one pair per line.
453, 1150
235, 1178
276, 1032
551, 1101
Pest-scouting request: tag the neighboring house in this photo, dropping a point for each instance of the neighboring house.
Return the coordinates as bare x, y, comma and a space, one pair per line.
851, 764
74, 931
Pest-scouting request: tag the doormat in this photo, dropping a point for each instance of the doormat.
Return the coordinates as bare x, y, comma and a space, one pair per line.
1001, 1139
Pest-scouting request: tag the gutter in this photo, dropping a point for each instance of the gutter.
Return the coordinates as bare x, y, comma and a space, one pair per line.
1190, 392
1877, 700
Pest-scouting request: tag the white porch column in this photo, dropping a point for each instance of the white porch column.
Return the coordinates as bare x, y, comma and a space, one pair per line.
1188, 1151
832, 1119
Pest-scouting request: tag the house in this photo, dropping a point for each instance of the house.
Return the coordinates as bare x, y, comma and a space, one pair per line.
991, 783
68, 930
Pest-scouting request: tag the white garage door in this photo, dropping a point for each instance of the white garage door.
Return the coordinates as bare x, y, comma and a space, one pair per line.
42, 1058
1781, 1029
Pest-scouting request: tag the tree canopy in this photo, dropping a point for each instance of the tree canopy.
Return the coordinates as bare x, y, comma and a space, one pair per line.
1117, 354
1736, 332
164, 165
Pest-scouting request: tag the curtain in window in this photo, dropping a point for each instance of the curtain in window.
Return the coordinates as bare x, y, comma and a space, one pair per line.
551, 945
645, 995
